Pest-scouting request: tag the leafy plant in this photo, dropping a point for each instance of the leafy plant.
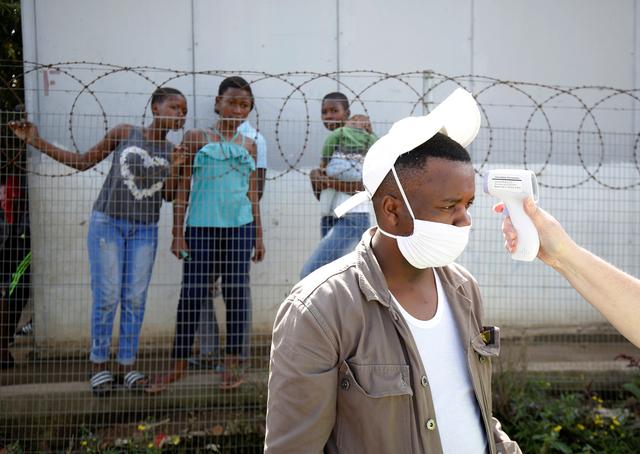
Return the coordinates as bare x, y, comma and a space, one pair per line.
579, 422
11, 88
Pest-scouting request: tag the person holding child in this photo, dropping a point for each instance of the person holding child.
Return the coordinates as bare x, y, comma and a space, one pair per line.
337, 178
223, 228
123, 228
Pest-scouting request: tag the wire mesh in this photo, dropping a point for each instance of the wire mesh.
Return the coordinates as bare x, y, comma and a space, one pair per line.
582, 142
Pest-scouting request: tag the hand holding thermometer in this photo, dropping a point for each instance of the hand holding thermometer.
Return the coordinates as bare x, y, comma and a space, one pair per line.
512, 186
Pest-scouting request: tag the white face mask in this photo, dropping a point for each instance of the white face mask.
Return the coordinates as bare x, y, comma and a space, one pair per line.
432, 244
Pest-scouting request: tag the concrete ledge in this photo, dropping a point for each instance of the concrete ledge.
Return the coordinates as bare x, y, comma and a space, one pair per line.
50, 399
197, 390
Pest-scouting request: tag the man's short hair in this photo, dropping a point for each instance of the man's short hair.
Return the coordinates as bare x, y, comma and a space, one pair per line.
412, 163
439, 146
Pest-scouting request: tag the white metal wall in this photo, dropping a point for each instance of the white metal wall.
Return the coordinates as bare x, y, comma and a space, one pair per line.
571, 42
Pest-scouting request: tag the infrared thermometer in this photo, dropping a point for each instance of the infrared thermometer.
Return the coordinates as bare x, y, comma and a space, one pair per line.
512, 186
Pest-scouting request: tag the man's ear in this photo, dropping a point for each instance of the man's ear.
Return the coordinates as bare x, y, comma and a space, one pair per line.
393, 216
390, 209
154, 108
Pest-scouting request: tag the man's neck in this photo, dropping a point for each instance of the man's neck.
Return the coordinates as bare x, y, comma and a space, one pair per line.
397, 271
414, 288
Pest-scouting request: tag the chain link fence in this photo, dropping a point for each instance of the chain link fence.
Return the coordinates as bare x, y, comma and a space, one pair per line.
582, 142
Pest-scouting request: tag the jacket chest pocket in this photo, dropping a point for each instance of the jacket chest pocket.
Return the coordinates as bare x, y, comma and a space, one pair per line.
374, 408
485, 346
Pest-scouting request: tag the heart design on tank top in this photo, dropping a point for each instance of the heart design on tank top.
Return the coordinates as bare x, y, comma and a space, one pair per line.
146, 168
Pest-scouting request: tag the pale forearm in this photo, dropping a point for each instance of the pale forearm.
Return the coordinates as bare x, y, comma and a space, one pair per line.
613, 292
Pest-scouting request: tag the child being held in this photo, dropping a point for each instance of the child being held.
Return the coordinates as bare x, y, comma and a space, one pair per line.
345, 149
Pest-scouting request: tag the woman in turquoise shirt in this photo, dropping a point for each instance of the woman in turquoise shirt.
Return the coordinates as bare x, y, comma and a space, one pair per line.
223, 229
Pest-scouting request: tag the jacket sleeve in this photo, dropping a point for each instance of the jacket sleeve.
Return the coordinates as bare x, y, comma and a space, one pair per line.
504, 445
301, 403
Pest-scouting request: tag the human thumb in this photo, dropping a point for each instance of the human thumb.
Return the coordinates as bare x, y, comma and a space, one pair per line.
530, 207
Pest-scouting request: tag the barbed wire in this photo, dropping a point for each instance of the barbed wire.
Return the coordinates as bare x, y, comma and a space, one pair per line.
86, 75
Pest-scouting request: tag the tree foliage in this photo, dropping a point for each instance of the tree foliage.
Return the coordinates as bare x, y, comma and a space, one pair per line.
11, 68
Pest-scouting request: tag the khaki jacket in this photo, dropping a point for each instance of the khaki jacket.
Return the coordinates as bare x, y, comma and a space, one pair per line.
345, 374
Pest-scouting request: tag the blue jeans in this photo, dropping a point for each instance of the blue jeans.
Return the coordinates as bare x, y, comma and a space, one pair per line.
326, 224
121, 256
215, 251
339, 240
208, 333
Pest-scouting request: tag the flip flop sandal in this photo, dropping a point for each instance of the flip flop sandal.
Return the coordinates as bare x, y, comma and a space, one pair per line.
160, 383
135, 381
101, 383
26, 330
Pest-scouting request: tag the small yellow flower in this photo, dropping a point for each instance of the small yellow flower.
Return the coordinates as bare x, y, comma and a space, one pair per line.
84, 443
557, 428
150, 445
616, 422
580, 426
175, 439
142, 427
597, 419
612, 427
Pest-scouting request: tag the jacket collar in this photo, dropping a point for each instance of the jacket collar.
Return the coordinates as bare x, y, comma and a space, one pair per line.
372, 281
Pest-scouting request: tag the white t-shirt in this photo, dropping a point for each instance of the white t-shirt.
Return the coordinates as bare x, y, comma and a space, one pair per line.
261, 145
443, 356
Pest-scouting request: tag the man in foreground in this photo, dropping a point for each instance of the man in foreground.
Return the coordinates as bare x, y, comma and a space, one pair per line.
384, 349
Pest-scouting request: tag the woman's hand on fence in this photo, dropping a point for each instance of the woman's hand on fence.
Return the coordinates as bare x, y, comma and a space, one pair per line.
24, 130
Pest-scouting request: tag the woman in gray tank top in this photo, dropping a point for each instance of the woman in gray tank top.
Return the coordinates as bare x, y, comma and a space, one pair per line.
123, 230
